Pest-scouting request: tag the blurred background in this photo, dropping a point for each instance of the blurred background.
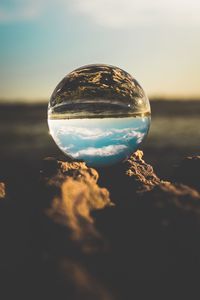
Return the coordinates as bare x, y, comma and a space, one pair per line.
158, 42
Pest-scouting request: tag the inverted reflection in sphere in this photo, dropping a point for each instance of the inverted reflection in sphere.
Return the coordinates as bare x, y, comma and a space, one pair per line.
99, 114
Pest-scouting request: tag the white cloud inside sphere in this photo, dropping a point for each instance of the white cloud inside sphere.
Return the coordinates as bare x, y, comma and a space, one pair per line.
100, 152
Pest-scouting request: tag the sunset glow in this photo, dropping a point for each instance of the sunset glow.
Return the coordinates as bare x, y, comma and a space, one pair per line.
155, 41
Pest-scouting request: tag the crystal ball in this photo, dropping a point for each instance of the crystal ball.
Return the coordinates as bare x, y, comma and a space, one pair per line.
99, 114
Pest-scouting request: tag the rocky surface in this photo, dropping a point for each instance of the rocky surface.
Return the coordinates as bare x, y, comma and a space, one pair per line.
2, 190
71, 232
141, 172
73, 193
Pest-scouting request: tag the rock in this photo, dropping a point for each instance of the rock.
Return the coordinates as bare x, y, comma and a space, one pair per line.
62, 235
182, 197
52, 166
72, 193
126, 180
2, 190
142, 173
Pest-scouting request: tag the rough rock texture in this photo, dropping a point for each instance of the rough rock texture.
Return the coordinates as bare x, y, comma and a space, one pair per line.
125, 181
63, 238
182, 196
2, 190
72, 193
141, 172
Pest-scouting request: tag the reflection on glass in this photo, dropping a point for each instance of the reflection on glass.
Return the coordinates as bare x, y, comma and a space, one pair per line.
99, 114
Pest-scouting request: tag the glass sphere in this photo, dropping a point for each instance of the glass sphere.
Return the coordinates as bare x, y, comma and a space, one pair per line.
99, 114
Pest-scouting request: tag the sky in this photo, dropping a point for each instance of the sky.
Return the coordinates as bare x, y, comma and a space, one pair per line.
156, 41
101, 141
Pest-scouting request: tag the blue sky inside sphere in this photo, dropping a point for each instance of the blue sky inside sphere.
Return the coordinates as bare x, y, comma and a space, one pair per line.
99, 142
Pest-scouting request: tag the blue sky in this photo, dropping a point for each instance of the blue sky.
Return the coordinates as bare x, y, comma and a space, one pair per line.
99, 141
157, 41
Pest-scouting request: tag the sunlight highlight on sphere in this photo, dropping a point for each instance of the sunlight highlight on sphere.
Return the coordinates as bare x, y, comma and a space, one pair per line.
99, 114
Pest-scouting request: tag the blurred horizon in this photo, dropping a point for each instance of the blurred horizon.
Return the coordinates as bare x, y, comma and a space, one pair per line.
157, 42
45, 101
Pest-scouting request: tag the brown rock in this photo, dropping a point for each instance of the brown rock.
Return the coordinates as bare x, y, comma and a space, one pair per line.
126, 180
72, 193
182, 197
141, 172
53, 231
2, 190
